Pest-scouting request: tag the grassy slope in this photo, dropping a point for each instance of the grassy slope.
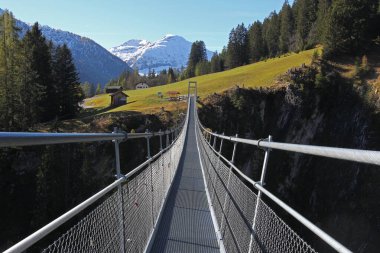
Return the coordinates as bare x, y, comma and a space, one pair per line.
261, 74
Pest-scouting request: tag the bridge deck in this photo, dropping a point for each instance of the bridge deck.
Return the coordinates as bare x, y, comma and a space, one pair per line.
186, 224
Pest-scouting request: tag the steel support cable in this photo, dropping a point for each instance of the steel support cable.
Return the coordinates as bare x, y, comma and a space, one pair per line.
321, 234
355, 155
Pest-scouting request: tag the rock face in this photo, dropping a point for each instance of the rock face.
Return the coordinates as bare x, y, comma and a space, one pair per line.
93, 62
340, 197
170, 51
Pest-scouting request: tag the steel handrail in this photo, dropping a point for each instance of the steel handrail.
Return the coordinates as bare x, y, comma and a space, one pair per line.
313, 228
17, 139
355, 155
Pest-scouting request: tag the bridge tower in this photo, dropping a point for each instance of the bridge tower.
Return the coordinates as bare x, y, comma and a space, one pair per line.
192, 85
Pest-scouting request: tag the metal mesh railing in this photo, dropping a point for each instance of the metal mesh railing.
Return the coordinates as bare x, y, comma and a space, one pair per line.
234, 205
125, 219
135, 208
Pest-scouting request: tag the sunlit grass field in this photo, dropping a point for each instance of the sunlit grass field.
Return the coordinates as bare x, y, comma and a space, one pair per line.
260, 74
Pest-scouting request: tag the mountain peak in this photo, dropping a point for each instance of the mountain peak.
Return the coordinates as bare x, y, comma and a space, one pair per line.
169, 51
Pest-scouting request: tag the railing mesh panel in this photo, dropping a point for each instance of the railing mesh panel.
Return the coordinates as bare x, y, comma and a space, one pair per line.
141, 199
234, 205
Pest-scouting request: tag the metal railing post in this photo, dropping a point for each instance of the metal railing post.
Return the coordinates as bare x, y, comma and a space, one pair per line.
258, 199
160, 134
162, 160
120, 190
214, 143
228, 182
151, 175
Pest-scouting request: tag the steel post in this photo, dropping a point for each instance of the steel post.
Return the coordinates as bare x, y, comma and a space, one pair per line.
214, 143
151, 175
258, 199
120, 190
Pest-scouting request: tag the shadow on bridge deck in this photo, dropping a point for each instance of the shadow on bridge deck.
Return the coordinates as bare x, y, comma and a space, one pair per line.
186, 224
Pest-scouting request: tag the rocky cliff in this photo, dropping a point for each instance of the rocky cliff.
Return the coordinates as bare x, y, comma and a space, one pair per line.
318, 108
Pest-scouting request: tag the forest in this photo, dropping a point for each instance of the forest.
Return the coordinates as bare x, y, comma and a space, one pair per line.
340, 26
38, 80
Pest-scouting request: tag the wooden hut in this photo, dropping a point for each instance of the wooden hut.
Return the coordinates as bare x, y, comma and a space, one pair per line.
118, 98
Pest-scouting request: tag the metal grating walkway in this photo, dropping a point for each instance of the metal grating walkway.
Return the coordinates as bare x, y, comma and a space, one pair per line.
186, 224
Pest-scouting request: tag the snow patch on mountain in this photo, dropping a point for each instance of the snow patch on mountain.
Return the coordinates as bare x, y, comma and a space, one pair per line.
170, 51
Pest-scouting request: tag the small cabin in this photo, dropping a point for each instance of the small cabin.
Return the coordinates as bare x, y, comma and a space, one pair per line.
140, 86
113, 89
118, 98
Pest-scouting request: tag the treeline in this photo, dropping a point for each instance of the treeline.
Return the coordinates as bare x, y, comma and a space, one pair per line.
129, 79
341, 26
38, 81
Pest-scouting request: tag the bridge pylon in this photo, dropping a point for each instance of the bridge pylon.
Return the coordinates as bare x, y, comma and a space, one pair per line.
192, 85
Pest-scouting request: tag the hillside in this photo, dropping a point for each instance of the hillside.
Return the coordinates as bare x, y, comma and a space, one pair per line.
94, 63
260, 74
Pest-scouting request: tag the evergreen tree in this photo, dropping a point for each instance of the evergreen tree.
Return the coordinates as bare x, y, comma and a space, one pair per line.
67, 82
350, 25
202, 68
171, 76
271, 33
306, 11
87, 89
322, 20
216, 64
256, 43
9, 72
98, 89
31, 91
41, 64
286, 28
237, 48
69, 93
197, 54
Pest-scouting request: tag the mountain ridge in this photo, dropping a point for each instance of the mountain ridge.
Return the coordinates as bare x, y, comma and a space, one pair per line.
94, 63
169, 51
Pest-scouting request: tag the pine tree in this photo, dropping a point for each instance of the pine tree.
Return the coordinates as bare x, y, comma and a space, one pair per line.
202, 68
9, 71
306, 11
216, 63
197, 54
350, 26
256, 42
31, 91
88, 89
98, 89
171, 76
286, 28
69, 93
41, 63
271, 31
322, 20
237, 48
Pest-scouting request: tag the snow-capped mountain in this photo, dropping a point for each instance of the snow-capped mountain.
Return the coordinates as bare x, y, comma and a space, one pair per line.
170, 51
94, 63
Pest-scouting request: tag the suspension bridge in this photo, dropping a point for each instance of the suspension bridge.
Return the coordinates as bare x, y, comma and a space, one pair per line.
186, 198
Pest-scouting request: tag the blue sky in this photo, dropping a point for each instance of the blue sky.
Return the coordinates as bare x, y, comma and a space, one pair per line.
112, 22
